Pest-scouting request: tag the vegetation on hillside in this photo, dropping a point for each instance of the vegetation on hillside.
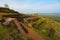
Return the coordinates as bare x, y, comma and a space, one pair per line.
46, 27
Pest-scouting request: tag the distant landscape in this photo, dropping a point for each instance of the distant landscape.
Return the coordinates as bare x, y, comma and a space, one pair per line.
54, 16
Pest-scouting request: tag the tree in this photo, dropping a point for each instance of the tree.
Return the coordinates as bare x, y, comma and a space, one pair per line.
6, 6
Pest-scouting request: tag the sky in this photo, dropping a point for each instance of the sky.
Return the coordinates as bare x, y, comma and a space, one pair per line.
33, 6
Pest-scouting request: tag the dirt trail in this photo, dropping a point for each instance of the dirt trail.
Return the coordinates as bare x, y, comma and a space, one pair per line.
25, 30
21, 27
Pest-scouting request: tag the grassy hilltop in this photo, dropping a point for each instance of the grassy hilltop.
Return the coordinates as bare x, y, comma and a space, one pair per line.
44, 26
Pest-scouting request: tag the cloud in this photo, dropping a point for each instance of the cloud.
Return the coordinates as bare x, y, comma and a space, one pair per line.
38, 8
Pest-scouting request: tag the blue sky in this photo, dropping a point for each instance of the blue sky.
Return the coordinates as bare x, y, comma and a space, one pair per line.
33, 6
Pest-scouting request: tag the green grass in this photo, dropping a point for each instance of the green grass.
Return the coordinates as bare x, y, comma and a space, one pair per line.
41, 26
1, 31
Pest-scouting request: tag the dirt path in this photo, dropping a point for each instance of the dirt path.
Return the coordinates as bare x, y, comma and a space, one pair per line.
21, 27
25, 31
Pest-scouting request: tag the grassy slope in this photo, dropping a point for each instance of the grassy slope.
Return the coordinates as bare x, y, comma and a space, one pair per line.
42, 26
